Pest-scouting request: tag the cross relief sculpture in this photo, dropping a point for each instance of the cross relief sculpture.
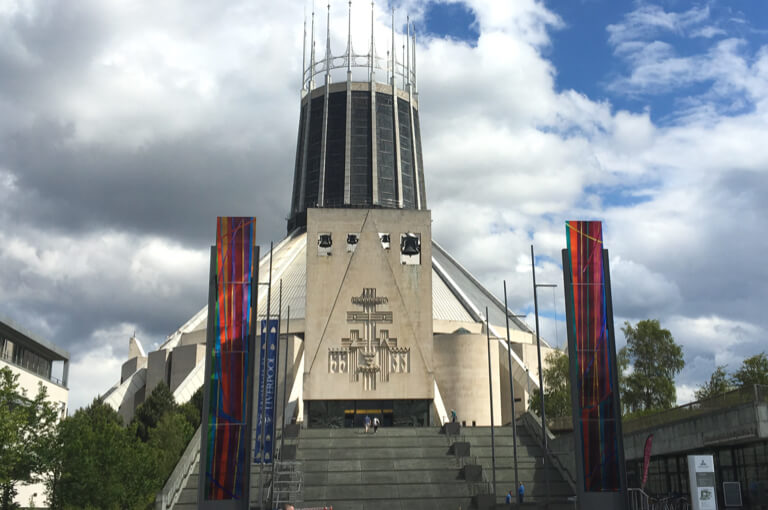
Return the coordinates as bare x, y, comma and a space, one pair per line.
373, 356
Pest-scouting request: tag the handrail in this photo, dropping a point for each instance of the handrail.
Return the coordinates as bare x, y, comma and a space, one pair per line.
176, 482
533, 423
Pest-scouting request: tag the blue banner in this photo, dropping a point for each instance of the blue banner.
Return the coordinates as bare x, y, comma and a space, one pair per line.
265, 411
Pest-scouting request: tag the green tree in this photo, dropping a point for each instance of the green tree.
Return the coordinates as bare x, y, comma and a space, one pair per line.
655, 360
103, 465
148, 414
27, 432
168, 440
717, 385
557, 388
754, 370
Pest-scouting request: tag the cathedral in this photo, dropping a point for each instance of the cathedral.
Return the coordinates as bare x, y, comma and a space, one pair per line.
383, 321
376, 318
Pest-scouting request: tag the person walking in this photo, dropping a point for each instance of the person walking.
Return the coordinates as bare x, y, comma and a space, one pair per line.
520, 493
376, 424
367, 423
508, 499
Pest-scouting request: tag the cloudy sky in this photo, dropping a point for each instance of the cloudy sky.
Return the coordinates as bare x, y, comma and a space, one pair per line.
126, 127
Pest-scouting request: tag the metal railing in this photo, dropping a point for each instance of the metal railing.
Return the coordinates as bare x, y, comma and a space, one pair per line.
641, 500
175, 484
288, 483
747, 395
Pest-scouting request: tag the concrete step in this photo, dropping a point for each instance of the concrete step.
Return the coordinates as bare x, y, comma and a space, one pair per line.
382, 477
445, 462
372, 440
392, 504
338, 493
385, 431
382, 451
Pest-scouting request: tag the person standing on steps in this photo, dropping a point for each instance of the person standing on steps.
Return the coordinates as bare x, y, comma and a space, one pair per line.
367, 423
454, 418
376, 424
520, 493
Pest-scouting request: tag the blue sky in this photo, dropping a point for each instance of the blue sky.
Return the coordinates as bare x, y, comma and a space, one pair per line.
585, 46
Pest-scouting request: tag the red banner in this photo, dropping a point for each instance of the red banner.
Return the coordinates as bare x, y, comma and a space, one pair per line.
646, 459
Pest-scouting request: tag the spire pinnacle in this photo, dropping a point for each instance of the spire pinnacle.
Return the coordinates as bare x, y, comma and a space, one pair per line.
349, 38
304, 52
413, 49
312, 53
393, 46
373, 47
408, 52
328, 44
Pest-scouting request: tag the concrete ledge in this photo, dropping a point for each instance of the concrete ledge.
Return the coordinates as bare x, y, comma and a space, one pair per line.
484, 502
451, 429
460, 449
473, 473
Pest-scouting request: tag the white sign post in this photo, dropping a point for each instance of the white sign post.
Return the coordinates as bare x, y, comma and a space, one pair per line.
701, 477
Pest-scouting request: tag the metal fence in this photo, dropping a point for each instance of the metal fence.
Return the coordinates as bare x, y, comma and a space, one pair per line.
640, 500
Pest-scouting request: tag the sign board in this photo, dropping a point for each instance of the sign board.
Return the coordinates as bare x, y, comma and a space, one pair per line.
701, 477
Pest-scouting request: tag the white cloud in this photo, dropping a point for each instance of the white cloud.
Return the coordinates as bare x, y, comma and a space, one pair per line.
647, 21
94, 372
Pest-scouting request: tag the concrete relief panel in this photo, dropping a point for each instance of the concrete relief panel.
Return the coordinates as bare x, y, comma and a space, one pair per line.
375, 355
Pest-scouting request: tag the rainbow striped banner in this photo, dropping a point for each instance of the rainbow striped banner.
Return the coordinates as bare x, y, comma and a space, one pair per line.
225, 456
593, 358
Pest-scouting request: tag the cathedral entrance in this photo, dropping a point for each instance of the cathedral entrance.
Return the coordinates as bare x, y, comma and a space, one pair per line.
352, 413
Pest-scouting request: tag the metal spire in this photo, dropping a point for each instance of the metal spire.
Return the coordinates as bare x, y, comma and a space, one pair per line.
408, 51
393, 46
373, 48
312, 53
328, 47
404, 77
413, 49
304, 52
349, 38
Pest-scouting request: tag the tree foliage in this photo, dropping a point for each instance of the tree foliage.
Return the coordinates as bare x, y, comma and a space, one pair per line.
717, 385
557, 388
753, 370
103, 464
655, 359
27, 432
148, 414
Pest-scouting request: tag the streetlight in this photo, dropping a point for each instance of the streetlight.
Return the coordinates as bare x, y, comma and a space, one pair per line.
512, 385
541, 378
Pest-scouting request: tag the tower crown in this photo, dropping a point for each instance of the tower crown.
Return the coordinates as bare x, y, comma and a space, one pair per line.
359, 140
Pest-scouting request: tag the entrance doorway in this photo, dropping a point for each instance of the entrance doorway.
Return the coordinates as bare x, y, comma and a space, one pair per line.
352, 413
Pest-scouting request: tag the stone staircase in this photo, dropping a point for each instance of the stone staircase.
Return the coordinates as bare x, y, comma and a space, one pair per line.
410, 469
530, 469
396, 468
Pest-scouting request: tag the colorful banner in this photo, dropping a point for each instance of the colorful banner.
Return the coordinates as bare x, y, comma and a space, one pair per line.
265, 410
592, 351
226, 431
646, 459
